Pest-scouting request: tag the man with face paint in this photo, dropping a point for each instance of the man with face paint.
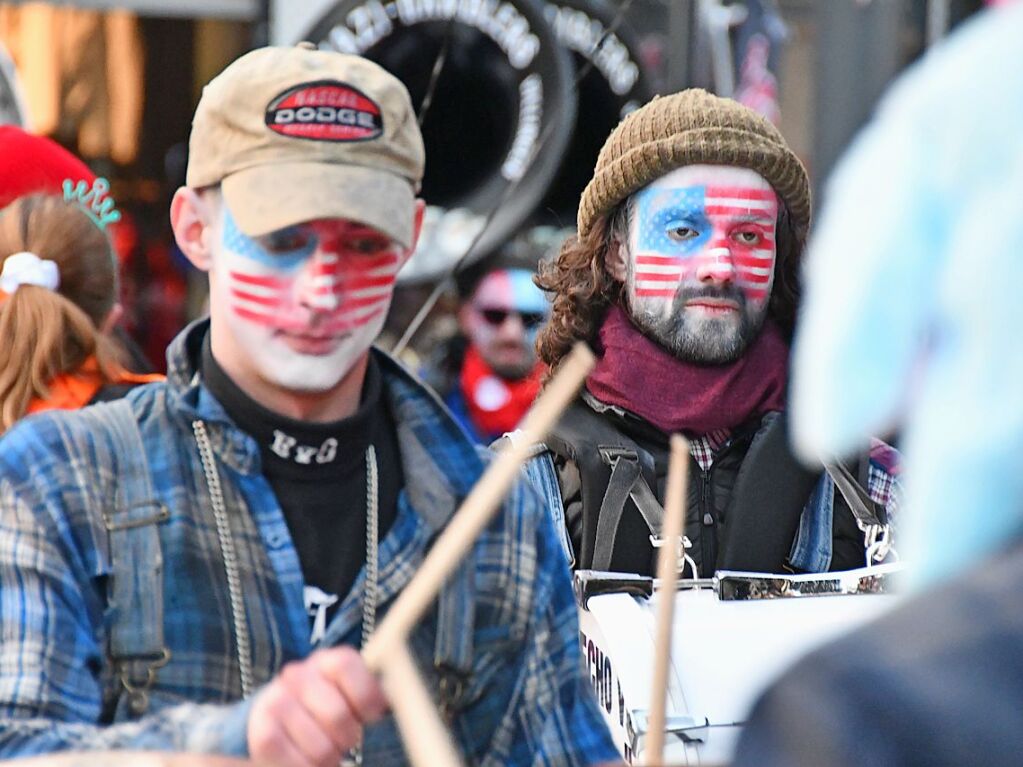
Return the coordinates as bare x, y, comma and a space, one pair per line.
489, 374
684, 278
194, 569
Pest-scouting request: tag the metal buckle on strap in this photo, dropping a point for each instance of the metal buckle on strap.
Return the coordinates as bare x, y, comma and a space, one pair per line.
681, 554
612, 455
451, 687
138, 694
877, 540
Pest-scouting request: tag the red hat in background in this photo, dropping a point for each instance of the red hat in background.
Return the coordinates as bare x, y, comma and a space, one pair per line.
35, 164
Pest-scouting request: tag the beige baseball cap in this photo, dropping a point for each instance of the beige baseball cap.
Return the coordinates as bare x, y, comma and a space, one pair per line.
294, 134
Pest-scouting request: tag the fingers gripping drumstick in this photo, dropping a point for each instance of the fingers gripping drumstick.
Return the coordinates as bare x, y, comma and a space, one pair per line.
386, 651
667, 576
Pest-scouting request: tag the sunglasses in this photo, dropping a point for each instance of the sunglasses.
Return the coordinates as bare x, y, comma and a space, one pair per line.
497, 317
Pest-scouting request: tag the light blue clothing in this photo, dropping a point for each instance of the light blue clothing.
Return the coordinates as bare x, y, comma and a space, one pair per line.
912, 312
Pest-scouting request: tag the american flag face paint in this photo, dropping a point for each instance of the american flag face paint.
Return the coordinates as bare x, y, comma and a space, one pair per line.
702, 255
306, 301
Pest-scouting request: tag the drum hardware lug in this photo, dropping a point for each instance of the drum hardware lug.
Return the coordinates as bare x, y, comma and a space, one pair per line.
682, 555
877, 541
594, 583
685, 728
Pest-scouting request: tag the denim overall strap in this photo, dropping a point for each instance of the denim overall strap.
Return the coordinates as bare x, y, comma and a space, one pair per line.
135, 586
453, 649
544, 478
813, 545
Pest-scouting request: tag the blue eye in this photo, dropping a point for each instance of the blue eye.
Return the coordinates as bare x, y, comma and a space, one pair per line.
680, 231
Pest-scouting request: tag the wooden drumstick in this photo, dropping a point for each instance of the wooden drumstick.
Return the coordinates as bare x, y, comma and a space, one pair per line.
427, 741
667, 576
476, 511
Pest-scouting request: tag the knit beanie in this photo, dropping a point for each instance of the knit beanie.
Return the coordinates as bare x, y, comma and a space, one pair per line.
692, 127
35, 164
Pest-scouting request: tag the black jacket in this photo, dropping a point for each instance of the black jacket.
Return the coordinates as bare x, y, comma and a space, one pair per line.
742, 513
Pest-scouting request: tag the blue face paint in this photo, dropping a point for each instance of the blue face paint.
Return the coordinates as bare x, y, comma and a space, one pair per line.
286, 258
526, 296
662, 211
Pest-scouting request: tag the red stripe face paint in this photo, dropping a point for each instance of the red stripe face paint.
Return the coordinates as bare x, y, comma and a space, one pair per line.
702, 252
306, 302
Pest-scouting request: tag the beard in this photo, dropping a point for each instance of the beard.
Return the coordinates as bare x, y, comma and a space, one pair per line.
705, 340
512, 361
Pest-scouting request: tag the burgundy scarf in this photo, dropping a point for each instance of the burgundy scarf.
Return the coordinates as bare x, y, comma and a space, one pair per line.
636, 374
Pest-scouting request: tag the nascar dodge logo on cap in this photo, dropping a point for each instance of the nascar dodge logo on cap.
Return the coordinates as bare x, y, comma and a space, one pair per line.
325, 110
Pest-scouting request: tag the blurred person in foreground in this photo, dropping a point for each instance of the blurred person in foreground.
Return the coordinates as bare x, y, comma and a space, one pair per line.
684, 277
58, 306
193, 567
489, 374
915, 322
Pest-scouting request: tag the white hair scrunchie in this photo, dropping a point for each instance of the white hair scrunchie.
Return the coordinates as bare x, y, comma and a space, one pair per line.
27, 268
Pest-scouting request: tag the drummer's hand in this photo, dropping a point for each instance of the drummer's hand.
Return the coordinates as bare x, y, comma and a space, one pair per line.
312, 713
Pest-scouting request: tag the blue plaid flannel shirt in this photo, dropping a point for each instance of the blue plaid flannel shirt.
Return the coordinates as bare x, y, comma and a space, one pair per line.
527, 699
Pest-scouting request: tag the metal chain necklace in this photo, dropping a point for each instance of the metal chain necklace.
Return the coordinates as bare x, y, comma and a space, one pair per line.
371, 596
371, 593
243, 643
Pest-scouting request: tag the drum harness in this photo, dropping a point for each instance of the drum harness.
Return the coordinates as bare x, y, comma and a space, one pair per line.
871, 518
627, 482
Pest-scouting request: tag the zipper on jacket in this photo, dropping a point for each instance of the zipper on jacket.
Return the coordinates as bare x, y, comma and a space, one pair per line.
708, 548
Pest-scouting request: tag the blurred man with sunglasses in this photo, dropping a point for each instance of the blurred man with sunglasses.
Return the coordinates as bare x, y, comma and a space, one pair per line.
490, 374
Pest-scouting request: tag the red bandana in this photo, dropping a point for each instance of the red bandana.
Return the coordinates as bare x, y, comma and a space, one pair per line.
638, 375
495, 404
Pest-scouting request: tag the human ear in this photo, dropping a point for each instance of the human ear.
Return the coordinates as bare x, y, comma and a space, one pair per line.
616, 259
192, 220
417, 228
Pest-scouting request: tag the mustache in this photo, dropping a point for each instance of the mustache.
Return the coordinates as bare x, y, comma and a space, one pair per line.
721, 293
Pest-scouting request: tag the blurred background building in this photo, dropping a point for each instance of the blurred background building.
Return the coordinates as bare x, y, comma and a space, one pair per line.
515, 97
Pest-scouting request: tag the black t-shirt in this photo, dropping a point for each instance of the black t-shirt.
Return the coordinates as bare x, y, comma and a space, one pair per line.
318, 473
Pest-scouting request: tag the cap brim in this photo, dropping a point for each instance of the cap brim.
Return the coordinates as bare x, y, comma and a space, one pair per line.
269, 197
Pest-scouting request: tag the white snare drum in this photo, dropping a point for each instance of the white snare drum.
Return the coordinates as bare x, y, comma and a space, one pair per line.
733, 635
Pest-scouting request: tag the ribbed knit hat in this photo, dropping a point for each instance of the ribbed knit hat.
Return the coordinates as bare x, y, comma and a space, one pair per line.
692, 127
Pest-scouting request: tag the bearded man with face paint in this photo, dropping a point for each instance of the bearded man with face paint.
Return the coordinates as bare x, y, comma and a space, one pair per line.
195, 568
684, 277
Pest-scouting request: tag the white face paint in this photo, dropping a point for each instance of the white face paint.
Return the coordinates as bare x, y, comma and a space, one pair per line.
302, 304
701, 260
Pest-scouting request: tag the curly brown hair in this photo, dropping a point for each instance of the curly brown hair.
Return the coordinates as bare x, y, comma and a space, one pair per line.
583, 287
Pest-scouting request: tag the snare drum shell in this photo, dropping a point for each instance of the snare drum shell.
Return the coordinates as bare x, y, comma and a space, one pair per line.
724, 654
